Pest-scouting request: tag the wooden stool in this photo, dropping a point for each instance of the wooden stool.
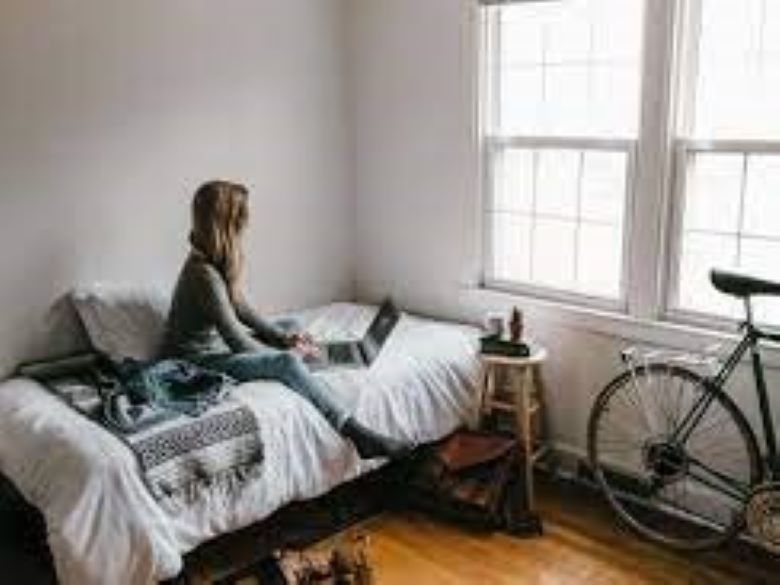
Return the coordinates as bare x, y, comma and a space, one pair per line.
509, 385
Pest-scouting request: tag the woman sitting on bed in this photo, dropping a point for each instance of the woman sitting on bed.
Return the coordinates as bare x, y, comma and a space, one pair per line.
209, 318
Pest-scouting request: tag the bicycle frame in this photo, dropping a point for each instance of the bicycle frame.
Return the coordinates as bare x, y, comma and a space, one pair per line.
750, 342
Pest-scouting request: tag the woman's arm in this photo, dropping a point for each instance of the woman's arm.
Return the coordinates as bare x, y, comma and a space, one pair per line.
264, 330
216, 303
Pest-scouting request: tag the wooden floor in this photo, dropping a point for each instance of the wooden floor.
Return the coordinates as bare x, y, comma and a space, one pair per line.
582, 545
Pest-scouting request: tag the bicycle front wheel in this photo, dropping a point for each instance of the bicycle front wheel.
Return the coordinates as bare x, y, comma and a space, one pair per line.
677, 479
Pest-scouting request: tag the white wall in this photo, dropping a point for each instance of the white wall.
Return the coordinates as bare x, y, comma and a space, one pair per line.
417, 184
111, 113
415, 161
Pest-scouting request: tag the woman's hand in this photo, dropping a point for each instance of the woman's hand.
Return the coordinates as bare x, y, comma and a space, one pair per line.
303, 343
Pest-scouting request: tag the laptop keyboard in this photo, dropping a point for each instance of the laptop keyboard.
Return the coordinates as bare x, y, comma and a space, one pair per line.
340, 353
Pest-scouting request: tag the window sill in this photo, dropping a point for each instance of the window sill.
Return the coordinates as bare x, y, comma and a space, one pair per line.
660, 333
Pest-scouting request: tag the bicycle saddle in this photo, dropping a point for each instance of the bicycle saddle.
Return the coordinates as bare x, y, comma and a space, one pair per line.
742, 285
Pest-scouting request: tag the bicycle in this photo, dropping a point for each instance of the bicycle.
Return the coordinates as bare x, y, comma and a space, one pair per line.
676, 457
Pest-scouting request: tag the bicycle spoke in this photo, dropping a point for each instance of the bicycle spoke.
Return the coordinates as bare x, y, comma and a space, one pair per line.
680, 447
631, 445
679, 503
641, 404
626, 451
632, 407
678, 404
718, 450
625, 425
718, 481
725, 449
667, 411
625, 434
709, 426
716, 447
694, 415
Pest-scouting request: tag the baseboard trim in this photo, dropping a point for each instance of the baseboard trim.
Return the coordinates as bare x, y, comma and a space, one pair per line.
570, 464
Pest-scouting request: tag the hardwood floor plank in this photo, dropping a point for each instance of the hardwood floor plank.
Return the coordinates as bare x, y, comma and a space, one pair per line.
582, 544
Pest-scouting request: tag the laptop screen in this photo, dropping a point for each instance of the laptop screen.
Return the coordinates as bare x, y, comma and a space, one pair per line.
380, 329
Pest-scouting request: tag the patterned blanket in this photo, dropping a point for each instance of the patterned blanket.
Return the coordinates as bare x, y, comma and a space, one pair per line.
182, 458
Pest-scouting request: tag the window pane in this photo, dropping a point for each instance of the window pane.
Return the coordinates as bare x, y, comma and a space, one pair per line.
771, 34
714, 191
521, 102
722, 96
558, 183
617, 30
535, 13
511, 247
762, 197
513, 180
600, 251
556, 219
701, 253
567, 68
761, 257
614, 100
567, 35
521, 43
553, 253
714, 236
604, 186
739, 22
732, 199
565, 110
738, 71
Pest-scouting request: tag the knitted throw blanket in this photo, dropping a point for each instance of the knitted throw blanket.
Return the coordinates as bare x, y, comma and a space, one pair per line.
182, 458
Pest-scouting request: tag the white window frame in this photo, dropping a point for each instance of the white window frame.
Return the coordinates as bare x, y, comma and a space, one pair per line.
687, 22
684, 148
492, 145
656, 175
648, 175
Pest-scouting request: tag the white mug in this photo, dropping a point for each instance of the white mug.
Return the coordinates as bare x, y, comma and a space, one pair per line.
494, 323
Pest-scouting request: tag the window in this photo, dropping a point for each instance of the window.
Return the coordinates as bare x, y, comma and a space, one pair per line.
728, 193
630, 146
561, 119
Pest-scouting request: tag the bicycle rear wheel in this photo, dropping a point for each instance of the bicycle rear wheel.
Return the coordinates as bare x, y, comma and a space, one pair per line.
686, 492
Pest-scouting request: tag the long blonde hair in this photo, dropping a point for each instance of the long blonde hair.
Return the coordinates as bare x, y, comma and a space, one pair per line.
220, 212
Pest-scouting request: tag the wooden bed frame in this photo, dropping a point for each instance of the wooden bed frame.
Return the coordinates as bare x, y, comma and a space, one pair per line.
239, 554
245, 553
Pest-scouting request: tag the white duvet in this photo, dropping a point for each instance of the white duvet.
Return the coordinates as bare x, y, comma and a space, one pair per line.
105, 528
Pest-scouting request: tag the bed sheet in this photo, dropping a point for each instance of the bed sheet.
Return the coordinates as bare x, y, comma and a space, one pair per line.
103, 525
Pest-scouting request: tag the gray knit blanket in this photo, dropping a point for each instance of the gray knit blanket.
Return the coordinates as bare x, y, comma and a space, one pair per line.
182, 459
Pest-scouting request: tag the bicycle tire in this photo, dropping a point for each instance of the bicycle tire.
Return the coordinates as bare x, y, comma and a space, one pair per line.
614, 499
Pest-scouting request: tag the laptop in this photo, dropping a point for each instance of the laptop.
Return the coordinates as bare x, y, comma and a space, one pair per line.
360, 353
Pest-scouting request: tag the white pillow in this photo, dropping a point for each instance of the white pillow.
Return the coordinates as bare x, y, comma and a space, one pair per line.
123, 321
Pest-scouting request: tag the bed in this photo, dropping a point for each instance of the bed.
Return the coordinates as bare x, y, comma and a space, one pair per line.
103, 525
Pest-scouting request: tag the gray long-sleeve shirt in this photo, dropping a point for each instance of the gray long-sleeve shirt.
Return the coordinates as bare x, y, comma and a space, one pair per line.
203, 319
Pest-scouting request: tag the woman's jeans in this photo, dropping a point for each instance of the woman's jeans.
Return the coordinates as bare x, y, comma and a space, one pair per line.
284, 366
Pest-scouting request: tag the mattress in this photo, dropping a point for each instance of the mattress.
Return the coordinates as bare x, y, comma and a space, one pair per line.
103, 525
